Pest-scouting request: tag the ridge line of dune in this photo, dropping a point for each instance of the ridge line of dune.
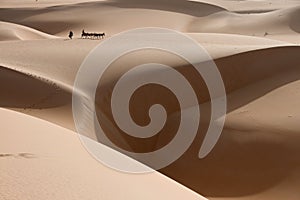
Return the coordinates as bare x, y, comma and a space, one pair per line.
40, 77
10, 31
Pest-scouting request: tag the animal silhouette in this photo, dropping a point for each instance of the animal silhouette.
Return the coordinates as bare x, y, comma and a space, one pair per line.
86, 35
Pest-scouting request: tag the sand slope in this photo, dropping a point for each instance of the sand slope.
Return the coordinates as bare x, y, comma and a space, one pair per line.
184, 16
269, 24
42, 161
247, 98
9, 31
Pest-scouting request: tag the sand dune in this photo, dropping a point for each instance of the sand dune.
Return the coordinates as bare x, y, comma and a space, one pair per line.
247, 98
42, 161
59, 67
255, 45
269, 62
253, 6
185, 16
22, 91
256, 157
278, 22
9, 31
38, 3
55, 63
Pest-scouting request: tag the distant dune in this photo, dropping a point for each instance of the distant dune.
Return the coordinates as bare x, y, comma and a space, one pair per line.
11, 31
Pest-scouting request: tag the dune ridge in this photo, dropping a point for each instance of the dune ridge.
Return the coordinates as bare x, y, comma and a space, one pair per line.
54, 161
10, 31
189, 17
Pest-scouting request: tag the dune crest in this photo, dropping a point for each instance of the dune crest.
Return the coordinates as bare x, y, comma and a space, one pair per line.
10, 31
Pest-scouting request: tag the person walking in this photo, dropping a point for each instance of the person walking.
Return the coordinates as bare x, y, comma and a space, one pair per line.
71, 35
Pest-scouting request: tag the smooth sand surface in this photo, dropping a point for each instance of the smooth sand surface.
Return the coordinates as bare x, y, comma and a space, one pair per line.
255, 45
40, 160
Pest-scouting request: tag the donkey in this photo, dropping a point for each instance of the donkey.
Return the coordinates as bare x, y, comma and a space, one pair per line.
92, 35
101, 35
84, 34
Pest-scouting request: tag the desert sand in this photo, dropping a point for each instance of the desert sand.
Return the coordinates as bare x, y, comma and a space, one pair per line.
255, 45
